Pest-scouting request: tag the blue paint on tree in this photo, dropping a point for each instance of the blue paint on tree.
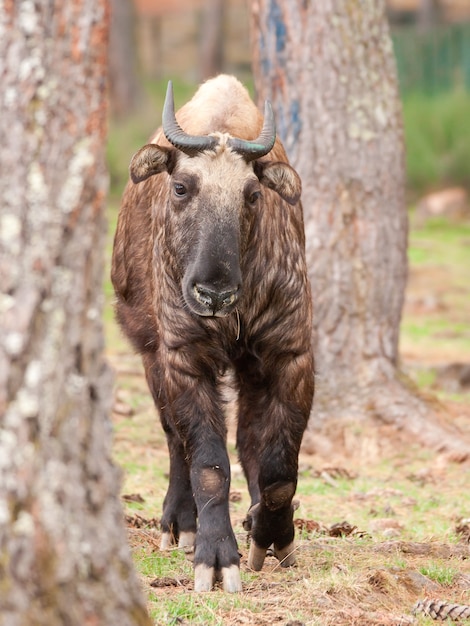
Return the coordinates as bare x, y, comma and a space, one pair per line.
296, 120
281, 126
264, 56
276, 25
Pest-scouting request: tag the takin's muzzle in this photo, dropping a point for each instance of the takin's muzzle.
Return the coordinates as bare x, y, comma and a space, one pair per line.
217, 303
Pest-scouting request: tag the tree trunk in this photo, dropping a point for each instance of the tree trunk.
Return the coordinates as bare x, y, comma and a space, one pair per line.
429, 14
329, 70
63, 551
212, 39
125, 89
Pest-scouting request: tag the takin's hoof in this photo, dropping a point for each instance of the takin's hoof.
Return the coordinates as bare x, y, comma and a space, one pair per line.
205, 576
286, 556
256, 556
185, 540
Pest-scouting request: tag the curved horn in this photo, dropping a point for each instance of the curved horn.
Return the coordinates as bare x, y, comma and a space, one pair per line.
263, 144
189, 144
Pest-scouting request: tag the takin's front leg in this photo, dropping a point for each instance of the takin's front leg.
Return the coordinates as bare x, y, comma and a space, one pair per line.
272, 484
216, 554
178, 521
201, 424
273, 414
273, 517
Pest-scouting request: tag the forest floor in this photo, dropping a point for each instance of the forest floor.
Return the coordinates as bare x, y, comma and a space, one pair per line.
383, 525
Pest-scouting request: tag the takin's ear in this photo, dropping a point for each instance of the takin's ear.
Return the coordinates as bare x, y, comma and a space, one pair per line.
280, 177
150, 160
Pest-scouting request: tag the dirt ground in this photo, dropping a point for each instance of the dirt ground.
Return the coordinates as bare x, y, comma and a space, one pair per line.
375, 537
383, 525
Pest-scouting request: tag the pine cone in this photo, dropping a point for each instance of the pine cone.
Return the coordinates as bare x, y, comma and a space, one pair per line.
442, 610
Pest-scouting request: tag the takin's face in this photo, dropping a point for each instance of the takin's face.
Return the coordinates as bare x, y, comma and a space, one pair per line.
213, 198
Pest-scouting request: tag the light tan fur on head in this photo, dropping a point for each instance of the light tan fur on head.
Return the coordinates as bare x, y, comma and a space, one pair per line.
221, 104
228, 170
222, 173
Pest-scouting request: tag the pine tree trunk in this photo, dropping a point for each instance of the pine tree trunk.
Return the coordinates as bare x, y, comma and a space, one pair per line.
63, 551
329, 70
124, 86
212, 39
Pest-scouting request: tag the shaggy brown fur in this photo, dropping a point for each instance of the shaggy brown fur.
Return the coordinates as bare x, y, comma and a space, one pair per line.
237, 223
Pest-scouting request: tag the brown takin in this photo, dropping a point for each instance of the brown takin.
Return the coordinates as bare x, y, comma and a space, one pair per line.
209, 273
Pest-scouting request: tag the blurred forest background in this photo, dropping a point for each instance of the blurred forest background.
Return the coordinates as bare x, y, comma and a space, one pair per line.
190, 40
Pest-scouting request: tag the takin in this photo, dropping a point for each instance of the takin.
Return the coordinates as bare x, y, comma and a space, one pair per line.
210, 276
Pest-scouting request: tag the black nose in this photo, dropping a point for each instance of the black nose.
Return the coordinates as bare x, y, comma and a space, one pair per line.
215, 300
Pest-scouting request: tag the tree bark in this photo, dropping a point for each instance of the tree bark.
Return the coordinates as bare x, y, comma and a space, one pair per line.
63, 551
429, 14
125, 89
329, 70
212, 39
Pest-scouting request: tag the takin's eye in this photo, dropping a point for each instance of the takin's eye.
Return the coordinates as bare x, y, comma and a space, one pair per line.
179, 189
253, 196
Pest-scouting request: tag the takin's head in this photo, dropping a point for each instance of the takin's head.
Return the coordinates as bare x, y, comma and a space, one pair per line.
215, 189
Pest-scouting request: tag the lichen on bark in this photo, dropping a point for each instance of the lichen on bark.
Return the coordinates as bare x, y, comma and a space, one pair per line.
63, 551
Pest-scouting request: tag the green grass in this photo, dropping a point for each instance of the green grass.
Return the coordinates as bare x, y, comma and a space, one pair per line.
443, 333
440, 572
421, 511
160, 565
199, 609
437, 135
436, 317
440, 241
442, 244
